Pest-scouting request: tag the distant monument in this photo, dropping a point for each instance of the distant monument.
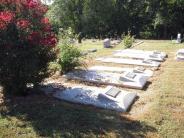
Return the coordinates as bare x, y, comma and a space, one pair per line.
178, 38
107, 43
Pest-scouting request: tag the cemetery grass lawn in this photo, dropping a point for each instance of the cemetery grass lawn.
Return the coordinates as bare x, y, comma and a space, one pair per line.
40, 116
88, 44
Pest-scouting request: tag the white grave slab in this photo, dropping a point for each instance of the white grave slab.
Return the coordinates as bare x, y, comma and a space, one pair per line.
145, 72
154, 57
180, 55
135, 51
108, 98
130, 61
179, 58
180, 52
108, 78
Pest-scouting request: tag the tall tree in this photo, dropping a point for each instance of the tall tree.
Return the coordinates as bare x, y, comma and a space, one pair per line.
98, 15
67, 13
169, 17
102, 18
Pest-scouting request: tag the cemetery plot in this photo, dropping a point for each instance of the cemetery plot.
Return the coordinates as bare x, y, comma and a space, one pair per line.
180, 55
106, 78
108, 98
138, 70
146, 53
154, 57
149, 63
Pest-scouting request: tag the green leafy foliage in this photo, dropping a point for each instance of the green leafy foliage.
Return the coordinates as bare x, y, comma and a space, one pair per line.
67, 35
128, 40
147, 35
165, 17
69, 57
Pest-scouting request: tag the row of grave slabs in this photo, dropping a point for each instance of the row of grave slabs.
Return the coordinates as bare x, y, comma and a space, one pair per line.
117, 84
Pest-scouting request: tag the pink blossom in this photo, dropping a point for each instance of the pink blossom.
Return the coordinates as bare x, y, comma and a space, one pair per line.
23, 23
6, 16
32, 3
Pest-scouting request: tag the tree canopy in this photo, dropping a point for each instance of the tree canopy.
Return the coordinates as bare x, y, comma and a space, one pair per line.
146, 18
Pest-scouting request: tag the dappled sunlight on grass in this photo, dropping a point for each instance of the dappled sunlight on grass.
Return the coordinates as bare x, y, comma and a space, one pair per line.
160, 114
38, 115
98, 44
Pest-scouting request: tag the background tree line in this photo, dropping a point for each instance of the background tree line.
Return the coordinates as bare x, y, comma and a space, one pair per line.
158, 19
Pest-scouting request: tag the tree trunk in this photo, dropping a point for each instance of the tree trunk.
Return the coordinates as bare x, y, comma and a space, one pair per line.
165, 31
79, 40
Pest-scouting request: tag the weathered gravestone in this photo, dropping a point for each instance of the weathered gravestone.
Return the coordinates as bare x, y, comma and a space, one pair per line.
107, 43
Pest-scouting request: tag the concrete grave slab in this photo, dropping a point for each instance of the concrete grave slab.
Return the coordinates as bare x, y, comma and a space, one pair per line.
130, 61
180, 52
154, 57
108, 98
135, 51
179, 58
180, 55
107, 78
137, 70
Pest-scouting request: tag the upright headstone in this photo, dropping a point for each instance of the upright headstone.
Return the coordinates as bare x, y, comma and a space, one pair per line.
107, 43
179, 38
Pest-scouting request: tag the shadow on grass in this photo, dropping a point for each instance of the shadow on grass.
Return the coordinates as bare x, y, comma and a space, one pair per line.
50, 117
147, 85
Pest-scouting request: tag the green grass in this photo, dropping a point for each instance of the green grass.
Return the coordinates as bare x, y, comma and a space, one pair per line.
101, 51
41, 116
167, 113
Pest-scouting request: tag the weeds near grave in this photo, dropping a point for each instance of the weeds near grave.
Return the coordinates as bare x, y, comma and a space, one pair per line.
70, 56
128, 40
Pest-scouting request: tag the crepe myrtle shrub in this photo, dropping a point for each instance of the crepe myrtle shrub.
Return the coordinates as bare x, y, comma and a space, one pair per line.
27, 45
128, 40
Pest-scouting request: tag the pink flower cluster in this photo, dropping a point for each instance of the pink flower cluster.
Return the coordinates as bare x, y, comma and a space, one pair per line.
5, 18
49, 40
23, 23
32, 3
34, 27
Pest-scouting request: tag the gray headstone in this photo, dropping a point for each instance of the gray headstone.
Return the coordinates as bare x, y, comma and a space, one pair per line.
107, 43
